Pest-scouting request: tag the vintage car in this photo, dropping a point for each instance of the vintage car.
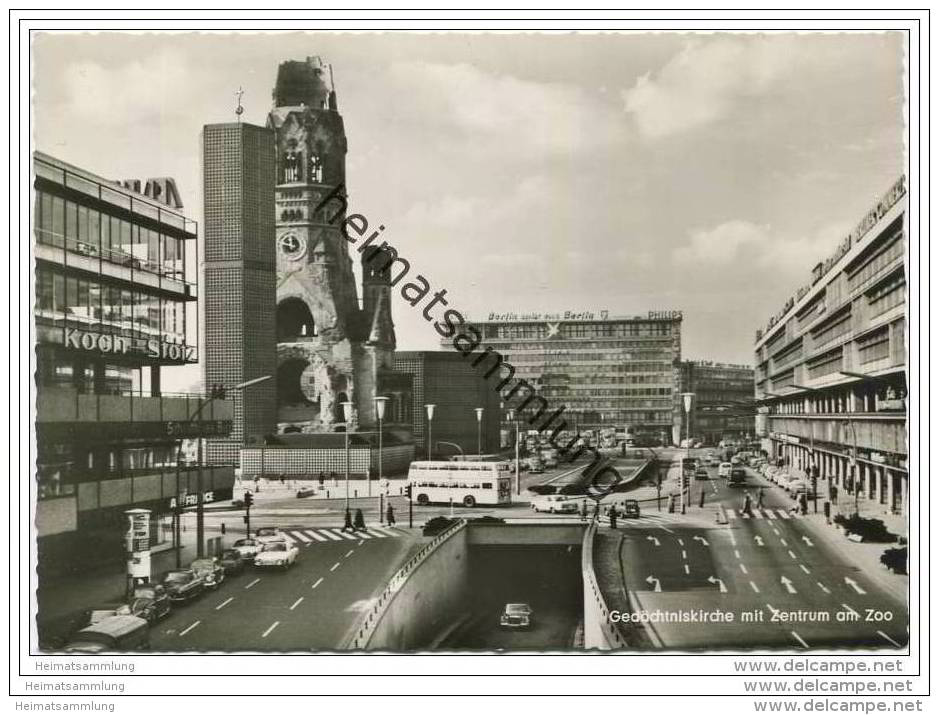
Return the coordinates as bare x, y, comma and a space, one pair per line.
182, 585
209, 570
150, 602
630, 509
516, 615
277, 553
115, 633
248, 548
232, 562
555, 503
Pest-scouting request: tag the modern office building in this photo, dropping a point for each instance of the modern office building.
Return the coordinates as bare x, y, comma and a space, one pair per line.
607, 372
831, 366
449, 382
116, 291
240, 343
722, 406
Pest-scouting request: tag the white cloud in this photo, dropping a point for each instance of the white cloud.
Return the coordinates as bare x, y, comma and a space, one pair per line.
518, 114
705, 81
150, 89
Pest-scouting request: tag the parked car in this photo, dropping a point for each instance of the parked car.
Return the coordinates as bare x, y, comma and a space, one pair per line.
248, 548
516, 615
150, 602
554, 504
116, 633
209, 570
277, 553
182, 585
724, 469
231, 562
103, 611
795, 487
630, 509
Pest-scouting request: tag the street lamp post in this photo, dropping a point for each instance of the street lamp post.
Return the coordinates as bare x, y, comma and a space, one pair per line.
854, 469
518, 486
380, 414
479, 432
347, 415
687, 398
200, 501
429, 409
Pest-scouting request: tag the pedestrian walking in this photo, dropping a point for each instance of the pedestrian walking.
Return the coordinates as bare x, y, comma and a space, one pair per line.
613, 517
596, 511
322, 478
583, 510
834, 494
390, 515
759, 499
746, 505
347, 526
359, 521
803, 504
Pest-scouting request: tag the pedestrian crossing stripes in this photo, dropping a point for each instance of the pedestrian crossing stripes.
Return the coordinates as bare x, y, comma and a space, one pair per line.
762, 514
308, 537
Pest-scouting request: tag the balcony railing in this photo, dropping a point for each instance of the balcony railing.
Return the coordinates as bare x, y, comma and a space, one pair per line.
56, 404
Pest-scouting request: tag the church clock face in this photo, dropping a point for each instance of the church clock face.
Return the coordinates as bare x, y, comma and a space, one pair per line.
291, 246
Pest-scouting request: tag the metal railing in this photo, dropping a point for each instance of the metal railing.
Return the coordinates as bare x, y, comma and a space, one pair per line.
611, 632
369, 621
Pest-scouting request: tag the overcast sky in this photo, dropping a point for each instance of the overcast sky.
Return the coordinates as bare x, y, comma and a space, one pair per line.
706, 173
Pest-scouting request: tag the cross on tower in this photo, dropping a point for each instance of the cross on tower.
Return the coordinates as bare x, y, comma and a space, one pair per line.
239, 110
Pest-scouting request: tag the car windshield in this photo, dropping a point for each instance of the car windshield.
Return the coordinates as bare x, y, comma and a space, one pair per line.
516, 609
204, 564
178, 576
276, 546
230, 554
246, 542
266, 531
145, 592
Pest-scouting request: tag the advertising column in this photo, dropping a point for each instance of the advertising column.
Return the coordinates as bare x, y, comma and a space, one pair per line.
138, 548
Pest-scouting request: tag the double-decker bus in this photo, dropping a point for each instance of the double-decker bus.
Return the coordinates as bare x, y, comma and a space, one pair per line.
466, 483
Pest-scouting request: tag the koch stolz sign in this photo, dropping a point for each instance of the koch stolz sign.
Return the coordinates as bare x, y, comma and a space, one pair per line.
121, 345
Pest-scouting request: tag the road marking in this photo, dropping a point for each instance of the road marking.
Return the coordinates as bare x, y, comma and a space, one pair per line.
731, 514
822, 586
792, 555
759, 540
266, 633
288, 538
655, 541
782, 514
776, 531
787, 583
808, 541
310, 532
252, 583
303, 537
687, 570
783, 542
655, 583
361, 541
801, 566
379, 530
753, 586
189, 628
720, 584
318, 582
296, 603
349, 553
799, 638
331, 535
374, 532
363, 534
224, 603
769, 515
850, 610
704, 542
888, 639
853, 584
757, 515
736, 553
743, 568
335, 566
684, 554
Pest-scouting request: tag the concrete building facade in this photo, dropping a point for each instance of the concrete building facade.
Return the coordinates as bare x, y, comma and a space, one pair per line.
830, 377
240, 343
722, 406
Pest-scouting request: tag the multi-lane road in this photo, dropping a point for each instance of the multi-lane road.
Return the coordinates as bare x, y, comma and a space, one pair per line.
772, 572
312, 606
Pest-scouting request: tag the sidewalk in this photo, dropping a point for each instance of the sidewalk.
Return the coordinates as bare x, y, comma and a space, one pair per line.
275, 490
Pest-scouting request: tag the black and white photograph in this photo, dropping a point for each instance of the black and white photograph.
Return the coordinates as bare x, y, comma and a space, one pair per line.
469, 342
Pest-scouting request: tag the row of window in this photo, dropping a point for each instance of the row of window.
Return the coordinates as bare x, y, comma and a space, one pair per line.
874, 346
832, 331
888, 295
826, 364
882, 260
106, 307
80, 229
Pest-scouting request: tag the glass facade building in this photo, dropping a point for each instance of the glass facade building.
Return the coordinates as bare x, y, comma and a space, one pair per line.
607, 372
115, 303
830, 378
722, 406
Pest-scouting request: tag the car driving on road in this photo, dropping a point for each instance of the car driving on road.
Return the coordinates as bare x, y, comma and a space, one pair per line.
554, 504
516, 615
209, 570
182, 585
724, 469
248, 548
277, 553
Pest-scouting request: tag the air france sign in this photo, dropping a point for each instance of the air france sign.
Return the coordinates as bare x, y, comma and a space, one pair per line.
121, 345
